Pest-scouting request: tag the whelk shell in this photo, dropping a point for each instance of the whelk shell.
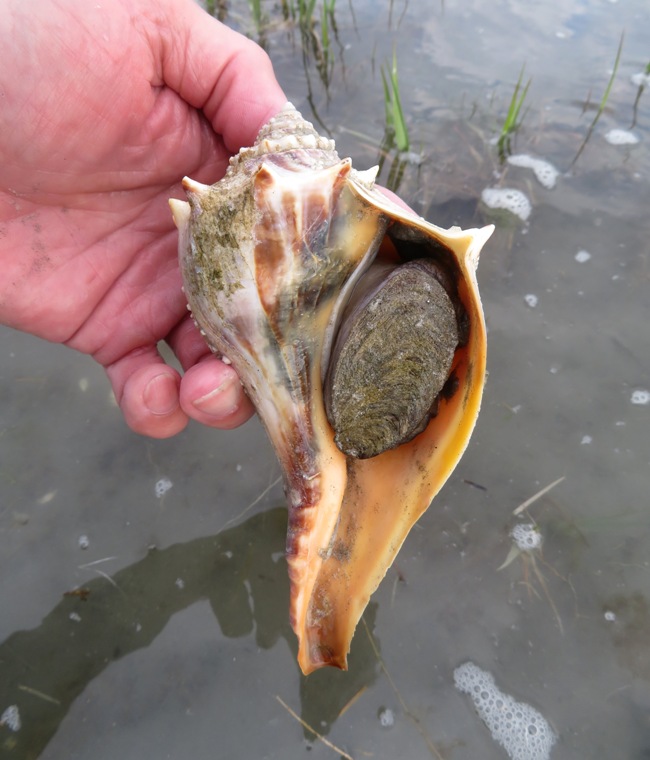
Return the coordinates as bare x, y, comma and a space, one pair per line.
273, 259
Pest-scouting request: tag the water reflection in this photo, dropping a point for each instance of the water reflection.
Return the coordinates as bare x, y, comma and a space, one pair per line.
241, 572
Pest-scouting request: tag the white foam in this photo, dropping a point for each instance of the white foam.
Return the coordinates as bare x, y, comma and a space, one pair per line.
621, 137
640, 79
162, 486
11, 718
387, 717
531, 300
509, 199
640, 397
582, 256
411, 157
545, 173
527, 537
521, 730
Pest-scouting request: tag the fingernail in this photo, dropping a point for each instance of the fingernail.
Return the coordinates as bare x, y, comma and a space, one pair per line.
161, 395
222, 401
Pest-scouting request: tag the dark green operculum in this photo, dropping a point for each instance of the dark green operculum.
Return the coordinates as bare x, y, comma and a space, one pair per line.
391, 359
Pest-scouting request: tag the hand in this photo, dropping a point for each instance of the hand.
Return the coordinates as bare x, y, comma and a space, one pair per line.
105, 106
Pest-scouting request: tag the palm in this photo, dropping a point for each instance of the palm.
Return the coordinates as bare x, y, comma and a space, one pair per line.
106, 134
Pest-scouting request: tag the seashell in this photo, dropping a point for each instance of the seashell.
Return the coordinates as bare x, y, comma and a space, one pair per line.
357, 331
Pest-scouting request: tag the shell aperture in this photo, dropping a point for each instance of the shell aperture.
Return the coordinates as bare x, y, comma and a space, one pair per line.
283, 268
391, 360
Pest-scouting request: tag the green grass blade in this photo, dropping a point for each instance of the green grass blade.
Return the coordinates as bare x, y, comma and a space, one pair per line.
399, 123
325, 37
608, 89
603, 100
512, 109
510, 123
513, 119
308, 10
387, 102
256, 11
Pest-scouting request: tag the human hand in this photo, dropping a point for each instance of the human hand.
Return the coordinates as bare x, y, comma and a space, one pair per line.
105, 106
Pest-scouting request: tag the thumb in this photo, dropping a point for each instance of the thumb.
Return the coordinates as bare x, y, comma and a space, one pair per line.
220, 72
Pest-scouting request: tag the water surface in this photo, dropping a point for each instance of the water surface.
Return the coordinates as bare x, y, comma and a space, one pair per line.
183, 643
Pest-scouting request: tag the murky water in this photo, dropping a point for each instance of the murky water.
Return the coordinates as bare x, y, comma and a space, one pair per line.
181, 646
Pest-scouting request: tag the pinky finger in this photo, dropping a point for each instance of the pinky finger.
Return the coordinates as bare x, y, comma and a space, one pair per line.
148, 393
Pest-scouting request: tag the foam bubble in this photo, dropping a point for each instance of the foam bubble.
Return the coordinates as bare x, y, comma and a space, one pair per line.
520, 729
162, 486
621, 137
509, 199
582, 256
411, 157
531, 300
527, 537
11, 718
640, 397
640, 79
386, 717
545, 173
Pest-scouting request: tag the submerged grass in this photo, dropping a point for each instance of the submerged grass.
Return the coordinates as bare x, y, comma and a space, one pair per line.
395, 122
313, 731
435, 752
301, 11
256, 11
635, 107
316, 30
603, 100
532, 560
513, 118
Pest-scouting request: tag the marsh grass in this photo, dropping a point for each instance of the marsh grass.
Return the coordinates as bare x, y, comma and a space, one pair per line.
396, 135
603, 100
256, 12
532, 560
514, 117
328, 21
394, 115
317, 31
639, 92
415, 720
341, 753
397, 166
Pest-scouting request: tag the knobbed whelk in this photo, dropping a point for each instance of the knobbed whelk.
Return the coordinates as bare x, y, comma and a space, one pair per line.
357, 331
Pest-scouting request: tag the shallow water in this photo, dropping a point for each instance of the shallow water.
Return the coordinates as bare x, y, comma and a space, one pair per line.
182, 645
